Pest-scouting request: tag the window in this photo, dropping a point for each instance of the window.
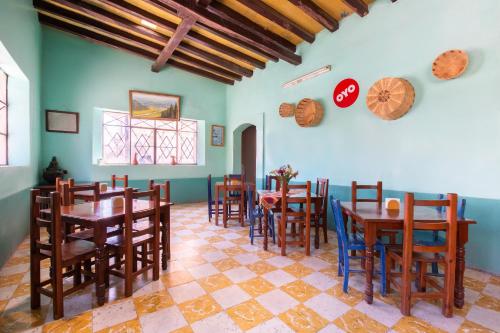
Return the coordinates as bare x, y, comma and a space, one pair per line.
149, 141
3, 118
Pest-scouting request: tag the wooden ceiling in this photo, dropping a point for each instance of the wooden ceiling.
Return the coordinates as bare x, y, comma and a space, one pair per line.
223, 40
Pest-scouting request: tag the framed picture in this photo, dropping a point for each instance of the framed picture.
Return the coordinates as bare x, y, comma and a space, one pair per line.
147, 105
217, 135
62, 121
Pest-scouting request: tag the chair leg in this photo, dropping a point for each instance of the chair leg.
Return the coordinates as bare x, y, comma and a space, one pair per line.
406, 288
144, 255
251, 230
325, 229
134, 259
449, 287
35, 281
106, 275
388, 266
383, 267
77, 275
273, 229
345, 286
57, 289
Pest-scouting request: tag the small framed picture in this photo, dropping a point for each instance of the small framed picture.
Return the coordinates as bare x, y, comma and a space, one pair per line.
217, 135
148, 105
62, 121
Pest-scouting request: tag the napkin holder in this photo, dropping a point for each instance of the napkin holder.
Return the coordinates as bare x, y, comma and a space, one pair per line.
392, 204
117, 202
103, 187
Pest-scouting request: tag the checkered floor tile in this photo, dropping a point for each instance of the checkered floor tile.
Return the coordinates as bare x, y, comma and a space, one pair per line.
218, 282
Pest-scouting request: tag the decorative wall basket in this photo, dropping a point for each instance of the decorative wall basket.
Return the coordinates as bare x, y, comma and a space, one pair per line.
450, 64
390, 98
308, 113
287, 110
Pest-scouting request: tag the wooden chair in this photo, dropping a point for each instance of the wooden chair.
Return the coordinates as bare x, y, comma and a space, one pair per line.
164, 225
115, 178
133, 244
60, 182
255, 212
349, 242
230, 199
355, 187
422, 253
300, 218
211, 202
321, 220
61, 255
269, 182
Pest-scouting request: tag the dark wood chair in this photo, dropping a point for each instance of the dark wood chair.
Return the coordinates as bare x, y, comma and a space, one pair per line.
233, 186
355, 188
321, 220
61, 255
423, 253
115, 178
300, 218
269, 182
132, 243
164, 225
211, 201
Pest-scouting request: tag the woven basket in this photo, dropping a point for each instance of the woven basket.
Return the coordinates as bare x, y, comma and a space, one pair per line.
287, 110
390, 98
450, 64
308, 113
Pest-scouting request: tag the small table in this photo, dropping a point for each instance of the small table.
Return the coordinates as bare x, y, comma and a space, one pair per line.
110, 192
100, 215
316, 200
219, 188
373, 217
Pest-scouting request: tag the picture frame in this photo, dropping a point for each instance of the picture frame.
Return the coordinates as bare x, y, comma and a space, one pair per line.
62, 121
154, 106
217, 135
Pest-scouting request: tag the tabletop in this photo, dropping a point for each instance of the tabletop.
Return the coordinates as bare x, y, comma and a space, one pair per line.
293, 194
109, 190
372, 212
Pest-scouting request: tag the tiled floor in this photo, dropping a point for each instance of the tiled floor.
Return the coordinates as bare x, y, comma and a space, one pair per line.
218, 282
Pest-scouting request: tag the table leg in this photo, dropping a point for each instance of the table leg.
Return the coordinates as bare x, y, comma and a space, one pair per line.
100, 263
370, 232
317, 221
460, 267
266, 225
216, 205
164, 240
156, 251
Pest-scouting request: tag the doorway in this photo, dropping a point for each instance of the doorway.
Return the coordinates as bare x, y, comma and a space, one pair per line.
249, 153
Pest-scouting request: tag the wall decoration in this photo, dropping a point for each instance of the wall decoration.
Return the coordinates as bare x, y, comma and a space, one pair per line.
450, 64
62, 121
390, 98
147, 105
217, 135
346, 93
308, 113
287, 110
53, 171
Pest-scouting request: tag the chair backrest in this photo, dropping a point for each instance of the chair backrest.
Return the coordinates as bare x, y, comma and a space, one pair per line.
288, 199
449, 226
461, 207
60, 182
69, 190
115, 178
339, 225
231, 186
322, 190
51, 220
165, 187
269, 182
355, 187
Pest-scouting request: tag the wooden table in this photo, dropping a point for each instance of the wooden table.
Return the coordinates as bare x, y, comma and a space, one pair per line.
219, 188
373, 217
99, 216
110, 192
267, 206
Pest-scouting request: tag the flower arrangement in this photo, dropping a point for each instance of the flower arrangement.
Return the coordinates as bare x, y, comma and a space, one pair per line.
285, 172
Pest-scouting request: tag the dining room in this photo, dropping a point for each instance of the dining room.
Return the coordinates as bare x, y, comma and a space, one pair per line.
249, 166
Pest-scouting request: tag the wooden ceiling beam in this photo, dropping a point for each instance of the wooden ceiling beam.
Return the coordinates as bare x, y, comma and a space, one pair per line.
172, 44
232, 29
317, 13
359, 6
203, 3
193, 36
110, 42
276, 17
101, 17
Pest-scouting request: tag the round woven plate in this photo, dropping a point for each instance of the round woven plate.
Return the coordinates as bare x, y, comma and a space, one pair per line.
308, 113
390, 98
450, 64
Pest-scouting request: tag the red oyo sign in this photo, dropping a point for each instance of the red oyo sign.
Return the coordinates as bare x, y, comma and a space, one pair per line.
346, 93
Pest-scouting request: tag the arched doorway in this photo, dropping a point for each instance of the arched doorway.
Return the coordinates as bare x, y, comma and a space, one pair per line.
245, 151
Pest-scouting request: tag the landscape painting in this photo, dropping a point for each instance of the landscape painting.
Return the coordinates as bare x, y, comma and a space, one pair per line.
147, 105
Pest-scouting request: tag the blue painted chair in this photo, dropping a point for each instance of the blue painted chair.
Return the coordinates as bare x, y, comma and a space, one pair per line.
349, 242
255, 212
211, 201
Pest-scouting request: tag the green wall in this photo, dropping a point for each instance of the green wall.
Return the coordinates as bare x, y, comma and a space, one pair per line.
81, 76
449, 140
20, 35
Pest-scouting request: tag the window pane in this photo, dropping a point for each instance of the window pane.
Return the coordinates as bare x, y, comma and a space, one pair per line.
115, 118
116, 144
188, 125
142, 123
3, 88
187, 148
143, 145
3, 119
166, 143
164, 124
3, 149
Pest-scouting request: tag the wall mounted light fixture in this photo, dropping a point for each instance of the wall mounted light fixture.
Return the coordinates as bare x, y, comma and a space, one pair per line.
313, 74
